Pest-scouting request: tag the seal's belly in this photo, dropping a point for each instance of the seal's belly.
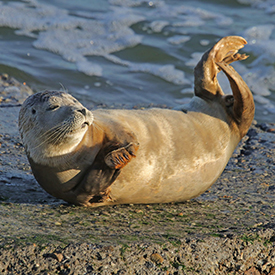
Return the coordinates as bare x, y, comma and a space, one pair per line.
182, 186
180, 156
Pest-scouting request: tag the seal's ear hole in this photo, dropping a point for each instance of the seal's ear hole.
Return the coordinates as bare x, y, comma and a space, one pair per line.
33, 111
229, 100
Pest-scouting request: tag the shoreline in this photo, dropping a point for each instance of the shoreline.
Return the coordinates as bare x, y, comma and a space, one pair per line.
229, 229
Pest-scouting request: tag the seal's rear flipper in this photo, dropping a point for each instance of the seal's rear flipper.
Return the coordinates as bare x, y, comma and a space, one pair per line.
206, 83
243, 104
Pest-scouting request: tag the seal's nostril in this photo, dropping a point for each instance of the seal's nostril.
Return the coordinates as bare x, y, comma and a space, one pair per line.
82, 111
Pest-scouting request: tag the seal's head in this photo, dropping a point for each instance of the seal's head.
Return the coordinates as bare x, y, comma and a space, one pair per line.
52, 124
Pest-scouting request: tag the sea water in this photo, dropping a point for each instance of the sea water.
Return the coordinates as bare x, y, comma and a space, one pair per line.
123, 53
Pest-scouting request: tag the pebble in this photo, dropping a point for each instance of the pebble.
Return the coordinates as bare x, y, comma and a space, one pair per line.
252, 271
139, 211
156, 257
58, 256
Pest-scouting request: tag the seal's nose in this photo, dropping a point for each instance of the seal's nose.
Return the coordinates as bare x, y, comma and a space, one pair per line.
82, 111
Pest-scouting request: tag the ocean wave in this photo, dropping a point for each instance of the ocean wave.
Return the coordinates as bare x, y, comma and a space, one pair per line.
174, 34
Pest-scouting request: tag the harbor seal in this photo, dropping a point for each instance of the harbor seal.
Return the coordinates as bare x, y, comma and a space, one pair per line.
107, 157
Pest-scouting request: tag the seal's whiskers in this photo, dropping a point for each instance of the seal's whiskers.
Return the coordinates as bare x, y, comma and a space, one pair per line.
56, 133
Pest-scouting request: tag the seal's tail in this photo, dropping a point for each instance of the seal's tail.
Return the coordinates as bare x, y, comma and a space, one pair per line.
206, 83
243, 106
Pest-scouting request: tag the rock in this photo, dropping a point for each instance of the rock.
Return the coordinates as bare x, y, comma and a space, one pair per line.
252, 271
58, 256
156, 257
12, 92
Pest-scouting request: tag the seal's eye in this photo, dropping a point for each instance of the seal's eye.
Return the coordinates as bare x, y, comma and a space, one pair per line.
51, 108
33, 111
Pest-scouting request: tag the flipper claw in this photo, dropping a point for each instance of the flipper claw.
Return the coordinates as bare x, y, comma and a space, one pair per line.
117, 159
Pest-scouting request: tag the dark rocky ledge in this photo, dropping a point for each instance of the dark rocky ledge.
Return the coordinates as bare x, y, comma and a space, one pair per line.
227, 230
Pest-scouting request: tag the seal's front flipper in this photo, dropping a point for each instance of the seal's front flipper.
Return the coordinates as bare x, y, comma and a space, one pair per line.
206, 83
95, 186
118, 158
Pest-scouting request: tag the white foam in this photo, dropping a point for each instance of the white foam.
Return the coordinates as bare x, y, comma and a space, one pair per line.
101, 34
260, 83
158, 25
195, 58
136, 3
90, 39
33, 16
187, 91
183, 101
166, 72
259, 32
178, 39
270, 108
261, 80
188, 16
120, 17
204, 42
261, 76
203, 14
73, 37
189, 21
267, 5
224, 83
224, 21
89, 68
270, 9
117, 60
260, 99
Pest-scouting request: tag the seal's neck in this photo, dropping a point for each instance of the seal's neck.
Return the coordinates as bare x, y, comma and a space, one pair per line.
70, 151
46, 154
